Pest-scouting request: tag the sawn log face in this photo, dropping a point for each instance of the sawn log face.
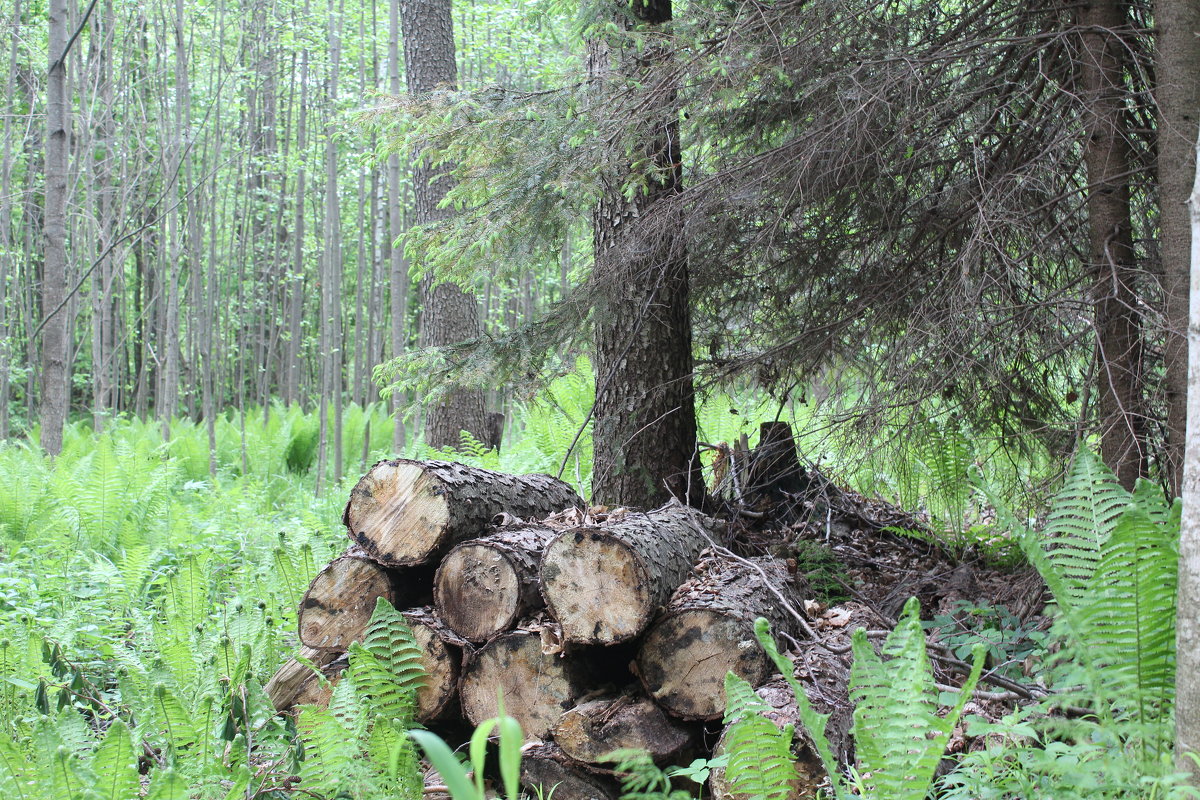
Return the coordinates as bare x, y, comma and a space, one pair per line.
592, 730
340, 600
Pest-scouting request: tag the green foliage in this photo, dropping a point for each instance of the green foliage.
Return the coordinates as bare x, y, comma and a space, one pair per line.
759, 754
469, 785
641, 778
1006, 639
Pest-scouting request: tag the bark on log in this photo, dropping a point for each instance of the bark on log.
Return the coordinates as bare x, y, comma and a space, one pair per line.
295, 684
404, 512
339, 602
545, 768
605, 583
596, 728
442, 659
538, 686
708, 630
485, 585
809, 772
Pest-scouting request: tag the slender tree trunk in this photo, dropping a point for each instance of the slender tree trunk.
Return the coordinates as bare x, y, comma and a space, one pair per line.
1123, 414
1187, 630
55, 380
450, 314
645, 429
398, 268
296, 306
8, 244
1178, 98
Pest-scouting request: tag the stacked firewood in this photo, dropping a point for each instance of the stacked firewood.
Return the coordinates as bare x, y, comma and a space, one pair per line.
602, 629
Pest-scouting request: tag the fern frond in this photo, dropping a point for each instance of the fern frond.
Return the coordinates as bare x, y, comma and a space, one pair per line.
330, 751
115, 764
760, 763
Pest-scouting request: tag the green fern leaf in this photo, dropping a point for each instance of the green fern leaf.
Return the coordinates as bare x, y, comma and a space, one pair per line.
115, 765
760, 763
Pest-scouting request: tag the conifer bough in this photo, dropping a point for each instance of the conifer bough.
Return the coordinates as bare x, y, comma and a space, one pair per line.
405, 512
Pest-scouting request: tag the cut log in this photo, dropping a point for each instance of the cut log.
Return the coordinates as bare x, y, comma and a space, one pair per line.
405, 512
442, 658
339, 602
604, 583
295, 683
547, 772
484, 586
592, 730
708, 629
809, 772
538, 686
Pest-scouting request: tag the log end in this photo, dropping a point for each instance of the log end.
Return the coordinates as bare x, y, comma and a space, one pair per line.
684, 658
337, 607
596, 586
398, 513
537, 687
477, 591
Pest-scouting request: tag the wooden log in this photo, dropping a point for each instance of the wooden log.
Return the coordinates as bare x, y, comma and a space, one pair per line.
485, 585
442, 656
783, 711
592, 730
547, 772
295, 683
538, 686
339, 602
405, 512
604, 583
708, 629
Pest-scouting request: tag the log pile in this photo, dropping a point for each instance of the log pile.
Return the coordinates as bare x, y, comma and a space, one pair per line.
603, 630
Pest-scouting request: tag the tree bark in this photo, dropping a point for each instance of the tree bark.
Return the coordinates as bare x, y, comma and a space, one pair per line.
707, 630
485, 585
55, 383
592, 730
537, 686
1122, 403
405, 512
645, 430
450, 314
1187, 624
605, 583
1178, 98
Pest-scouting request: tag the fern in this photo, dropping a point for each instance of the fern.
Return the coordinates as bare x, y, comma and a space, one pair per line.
760, 764
115, 764
899, 737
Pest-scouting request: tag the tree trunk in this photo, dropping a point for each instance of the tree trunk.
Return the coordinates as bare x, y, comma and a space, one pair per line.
443, 652
450, 314
707, 630
397, 267
55, 383
1178, 98
548, 772
605, 583
339, 602
592, 730
537, 685
1123, 413
645, 430
484, 586
404, 512
1187, 626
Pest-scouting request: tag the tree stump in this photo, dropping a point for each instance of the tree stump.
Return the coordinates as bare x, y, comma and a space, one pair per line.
339, 602
404, 512
605, 583
592, 730
708, 629
485, 585
538, 686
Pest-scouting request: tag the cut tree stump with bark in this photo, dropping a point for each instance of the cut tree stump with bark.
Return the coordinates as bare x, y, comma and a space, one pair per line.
295, 683
783, 711
604, 583
708, 629
405, 512
339, 602
442, 657
592, 730
485, 585
538, 686
548, 772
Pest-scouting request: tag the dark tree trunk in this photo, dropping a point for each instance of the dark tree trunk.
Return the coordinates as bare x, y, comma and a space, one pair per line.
645, 432
450, 314
1123, 415
1178, 97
